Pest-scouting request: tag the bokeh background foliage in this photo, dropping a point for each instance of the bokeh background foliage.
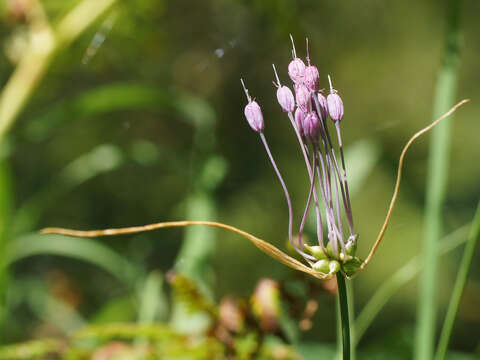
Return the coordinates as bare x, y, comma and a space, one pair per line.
140, 120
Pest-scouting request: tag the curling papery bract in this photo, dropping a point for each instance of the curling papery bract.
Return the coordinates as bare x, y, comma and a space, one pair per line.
264, 246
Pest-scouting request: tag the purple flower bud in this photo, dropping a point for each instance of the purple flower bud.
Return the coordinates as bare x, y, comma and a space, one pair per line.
323, 106
303, 96
311, 77
311, 125
285, 99
299, 118
254, 116
296, 70
335, 106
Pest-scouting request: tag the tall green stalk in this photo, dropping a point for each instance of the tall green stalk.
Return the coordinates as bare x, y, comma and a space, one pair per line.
436, 189
344, 315
459, 286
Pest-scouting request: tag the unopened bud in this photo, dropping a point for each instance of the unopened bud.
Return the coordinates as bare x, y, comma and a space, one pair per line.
322, 266
299, 118
285, 99
296, 70
335, 103
303, 96
311, 125
335, 106
316, 251
351, 245
334, 267
254, 116
311, 77
322, 101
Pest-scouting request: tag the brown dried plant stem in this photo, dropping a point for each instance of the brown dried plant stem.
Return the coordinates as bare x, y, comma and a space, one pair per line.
399, 178
264, 246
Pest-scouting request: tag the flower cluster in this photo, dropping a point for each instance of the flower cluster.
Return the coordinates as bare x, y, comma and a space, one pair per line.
308, 112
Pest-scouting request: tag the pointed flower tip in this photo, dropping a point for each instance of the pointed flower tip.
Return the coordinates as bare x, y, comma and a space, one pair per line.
254, 116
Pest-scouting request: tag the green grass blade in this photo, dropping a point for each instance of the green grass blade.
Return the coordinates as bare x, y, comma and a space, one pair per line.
459, 286
436, 191
153, 303
101, 159
401, 277
76, 248
5, 216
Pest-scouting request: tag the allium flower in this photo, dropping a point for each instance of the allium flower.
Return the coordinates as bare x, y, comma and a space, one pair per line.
326, 170
299, 117
303, 96
312, 77
254, 116
322, 101
335, 104
285, 99
296, 70
311, 125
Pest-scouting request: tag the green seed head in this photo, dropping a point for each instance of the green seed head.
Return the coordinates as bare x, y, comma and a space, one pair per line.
316, 251
322, 266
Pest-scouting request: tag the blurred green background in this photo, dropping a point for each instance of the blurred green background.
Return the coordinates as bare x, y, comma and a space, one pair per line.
140, 120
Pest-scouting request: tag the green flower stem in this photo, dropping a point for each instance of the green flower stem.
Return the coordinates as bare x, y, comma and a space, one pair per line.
436, 190
344, 315
459, 286
351, 314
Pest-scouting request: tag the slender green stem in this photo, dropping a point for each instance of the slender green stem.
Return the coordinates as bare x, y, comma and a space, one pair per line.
436, 191
459, 286
351, 314
343, 302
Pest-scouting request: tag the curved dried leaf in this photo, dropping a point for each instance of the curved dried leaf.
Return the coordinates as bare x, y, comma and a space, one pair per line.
264, 246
